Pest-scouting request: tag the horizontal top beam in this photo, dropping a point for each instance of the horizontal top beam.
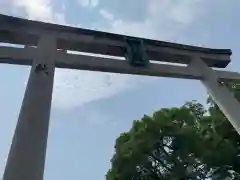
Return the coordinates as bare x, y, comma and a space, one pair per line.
27, 32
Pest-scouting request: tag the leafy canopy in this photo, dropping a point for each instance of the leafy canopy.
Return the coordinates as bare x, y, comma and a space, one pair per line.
178, 143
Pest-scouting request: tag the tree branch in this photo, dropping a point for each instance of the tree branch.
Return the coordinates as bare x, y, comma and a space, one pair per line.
161, 162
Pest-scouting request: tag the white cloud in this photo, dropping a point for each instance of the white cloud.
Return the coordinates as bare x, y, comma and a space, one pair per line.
74, 88
106, 14
63, 6
185, 11
88, 3
41, 10
35, 9
164, 20
97, 118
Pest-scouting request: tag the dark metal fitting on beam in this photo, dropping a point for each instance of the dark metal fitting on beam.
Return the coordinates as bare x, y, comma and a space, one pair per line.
41, 68
136, 53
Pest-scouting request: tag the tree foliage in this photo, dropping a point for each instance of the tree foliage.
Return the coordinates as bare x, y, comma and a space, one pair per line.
178, 144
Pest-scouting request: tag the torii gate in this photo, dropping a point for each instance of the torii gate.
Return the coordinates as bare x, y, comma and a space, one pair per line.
46, 47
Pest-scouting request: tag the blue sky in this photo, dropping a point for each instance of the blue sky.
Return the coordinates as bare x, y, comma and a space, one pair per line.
91, 109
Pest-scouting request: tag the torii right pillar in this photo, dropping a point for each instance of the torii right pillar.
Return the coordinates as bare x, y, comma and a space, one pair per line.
225, 99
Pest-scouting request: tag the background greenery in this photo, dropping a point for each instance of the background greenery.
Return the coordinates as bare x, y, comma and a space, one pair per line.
187, 142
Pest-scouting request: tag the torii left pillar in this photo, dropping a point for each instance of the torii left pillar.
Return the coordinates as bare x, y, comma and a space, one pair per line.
27, 155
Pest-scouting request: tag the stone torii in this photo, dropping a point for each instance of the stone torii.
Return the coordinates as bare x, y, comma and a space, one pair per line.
47, 46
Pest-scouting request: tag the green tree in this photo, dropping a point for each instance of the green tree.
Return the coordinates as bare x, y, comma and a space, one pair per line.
178, 143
